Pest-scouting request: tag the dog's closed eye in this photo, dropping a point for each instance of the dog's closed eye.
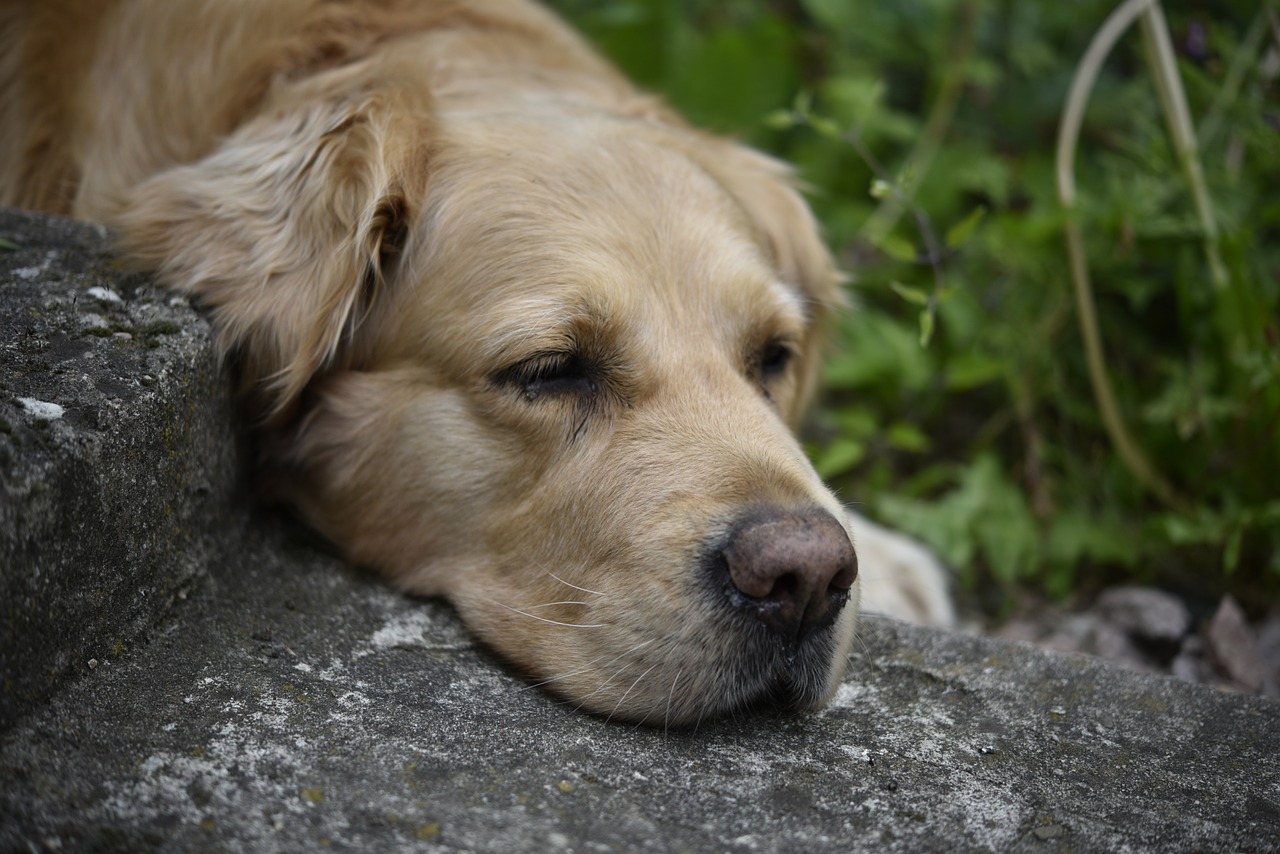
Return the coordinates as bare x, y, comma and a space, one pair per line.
770, 365
568, 374
775, 358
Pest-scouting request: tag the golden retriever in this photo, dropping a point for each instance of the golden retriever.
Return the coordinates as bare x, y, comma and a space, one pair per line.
516, 334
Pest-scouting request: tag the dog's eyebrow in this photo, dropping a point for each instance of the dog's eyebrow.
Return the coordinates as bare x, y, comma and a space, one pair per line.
790, 309
551, 324
543, 326
789, 298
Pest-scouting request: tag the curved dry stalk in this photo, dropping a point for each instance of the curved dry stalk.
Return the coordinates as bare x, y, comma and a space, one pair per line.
1164, 68
1068, 135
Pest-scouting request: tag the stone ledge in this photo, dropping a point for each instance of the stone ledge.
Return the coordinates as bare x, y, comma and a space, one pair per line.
117, 453
288, 704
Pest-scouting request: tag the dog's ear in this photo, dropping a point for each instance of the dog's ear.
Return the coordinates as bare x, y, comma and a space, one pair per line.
285, 232
767, 192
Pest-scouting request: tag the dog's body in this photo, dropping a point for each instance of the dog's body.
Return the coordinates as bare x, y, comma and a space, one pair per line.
517, 335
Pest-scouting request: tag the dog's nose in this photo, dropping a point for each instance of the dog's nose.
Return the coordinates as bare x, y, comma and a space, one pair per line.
792, 569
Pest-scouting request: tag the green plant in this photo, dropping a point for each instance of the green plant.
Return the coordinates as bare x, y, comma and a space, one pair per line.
961, 401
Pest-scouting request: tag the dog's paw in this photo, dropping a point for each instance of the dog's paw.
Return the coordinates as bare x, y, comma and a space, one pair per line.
900, 577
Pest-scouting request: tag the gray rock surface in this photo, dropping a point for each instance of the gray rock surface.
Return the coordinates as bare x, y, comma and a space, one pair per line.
117, 453
1151, 630
287, 703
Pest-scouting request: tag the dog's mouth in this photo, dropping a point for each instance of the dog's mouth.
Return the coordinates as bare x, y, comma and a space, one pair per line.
794, 679
744, 670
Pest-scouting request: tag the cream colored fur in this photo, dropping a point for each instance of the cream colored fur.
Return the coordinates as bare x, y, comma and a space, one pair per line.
511, 327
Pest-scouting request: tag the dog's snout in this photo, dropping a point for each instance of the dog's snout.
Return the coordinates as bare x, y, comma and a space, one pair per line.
794, 570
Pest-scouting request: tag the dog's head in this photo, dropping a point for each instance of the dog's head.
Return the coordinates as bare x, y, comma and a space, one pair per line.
543, 360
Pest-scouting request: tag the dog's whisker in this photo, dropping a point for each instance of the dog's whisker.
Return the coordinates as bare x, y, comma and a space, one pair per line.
627, 694
666, 716
587, 667
856, 638
552, 622
569, 584
552, 604
617, 672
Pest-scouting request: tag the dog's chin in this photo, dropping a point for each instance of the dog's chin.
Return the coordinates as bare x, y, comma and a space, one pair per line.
724, 673
796, 676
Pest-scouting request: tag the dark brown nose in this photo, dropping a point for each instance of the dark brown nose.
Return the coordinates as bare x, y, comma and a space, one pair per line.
792, 569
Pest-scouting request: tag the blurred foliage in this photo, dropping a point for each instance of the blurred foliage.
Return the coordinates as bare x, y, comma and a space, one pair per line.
958, 402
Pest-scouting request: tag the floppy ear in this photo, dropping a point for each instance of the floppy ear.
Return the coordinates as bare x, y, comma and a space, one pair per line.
766, 190
284, 231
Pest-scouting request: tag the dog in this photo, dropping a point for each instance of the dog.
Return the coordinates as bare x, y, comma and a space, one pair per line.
515, 334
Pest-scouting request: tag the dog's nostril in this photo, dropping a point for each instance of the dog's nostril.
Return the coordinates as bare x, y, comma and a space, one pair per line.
793, 570
786, 586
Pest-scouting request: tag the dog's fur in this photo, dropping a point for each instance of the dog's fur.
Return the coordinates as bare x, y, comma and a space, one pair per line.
516, 334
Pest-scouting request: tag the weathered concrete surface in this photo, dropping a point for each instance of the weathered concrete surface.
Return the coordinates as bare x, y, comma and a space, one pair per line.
288, 704
116, 453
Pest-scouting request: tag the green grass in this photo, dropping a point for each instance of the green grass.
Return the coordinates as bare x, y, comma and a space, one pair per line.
961, 405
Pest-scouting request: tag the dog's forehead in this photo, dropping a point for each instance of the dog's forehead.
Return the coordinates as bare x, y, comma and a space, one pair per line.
510, 178
591, 230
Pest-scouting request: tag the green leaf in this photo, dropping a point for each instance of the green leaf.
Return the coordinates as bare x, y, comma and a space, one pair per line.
880, 189
1203, 529
837, 15
968, 369
9, 245
958, 235
825, 126
856, 100
983, 514
926, 327
915, 296
803, 103
898, 248
907, 437
780, 120
945, 525
838, 457
727, 76
1081, 534
1002, 523
1231, 552
859, 422
879, 351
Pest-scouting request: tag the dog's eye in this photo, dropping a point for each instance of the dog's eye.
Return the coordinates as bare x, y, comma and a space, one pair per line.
552, 374
775, 358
